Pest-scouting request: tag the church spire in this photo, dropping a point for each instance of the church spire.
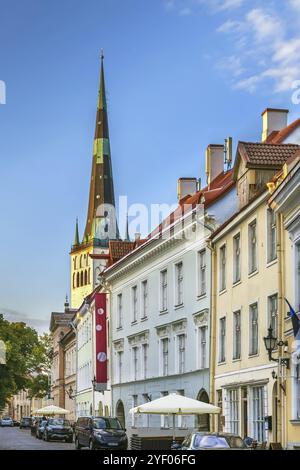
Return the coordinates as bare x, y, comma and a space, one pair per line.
76, 239
101, 186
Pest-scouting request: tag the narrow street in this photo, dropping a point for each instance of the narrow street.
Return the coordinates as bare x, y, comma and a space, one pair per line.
21, 439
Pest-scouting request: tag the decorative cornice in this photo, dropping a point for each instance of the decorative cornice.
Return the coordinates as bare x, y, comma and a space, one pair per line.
201, 318
119, 345
138, 338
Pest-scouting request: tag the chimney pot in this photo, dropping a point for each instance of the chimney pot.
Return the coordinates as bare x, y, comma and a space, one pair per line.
273, 120
186, 187
214, 161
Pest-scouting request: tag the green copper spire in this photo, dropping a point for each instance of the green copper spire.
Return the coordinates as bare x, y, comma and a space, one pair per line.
76, 240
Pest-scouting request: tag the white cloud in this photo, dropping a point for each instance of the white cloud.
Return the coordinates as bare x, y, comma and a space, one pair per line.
295, 4
248, 84
231, 26
229, 4
265, 26
232, 64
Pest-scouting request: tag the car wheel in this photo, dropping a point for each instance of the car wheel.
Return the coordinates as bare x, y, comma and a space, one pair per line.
92, 445
77, 445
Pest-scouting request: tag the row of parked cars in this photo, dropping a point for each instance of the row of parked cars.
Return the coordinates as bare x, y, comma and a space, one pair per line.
92, 432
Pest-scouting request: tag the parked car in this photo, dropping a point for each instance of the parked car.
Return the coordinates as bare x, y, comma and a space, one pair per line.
209, 440
7, 421
58, 428
100, 433
40, 427
25, 423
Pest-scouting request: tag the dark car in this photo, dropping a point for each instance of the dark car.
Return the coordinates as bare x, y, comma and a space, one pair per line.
16, 422
100, 433
58, 428
25, 423
210, 440
40, 427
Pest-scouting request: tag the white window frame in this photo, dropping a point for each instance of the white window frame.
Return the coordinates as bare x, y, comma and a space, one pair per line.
271, 232
202, 346
119, 311
135, 362
179, 284
237, 259
164, 290
202, 272
222, 340
180, 352
237, 335
145, 299
233, 397
120, 355
258, 413
273, 314
164, 356
252, 351
252, 248
145, 360
223, 267
135, 303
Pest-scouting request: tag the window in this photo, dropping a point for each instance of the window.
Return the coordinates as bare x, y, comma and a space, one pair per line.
237, 335
119, 366
144, 299
134, 304
272, 235
222, 268
258, 414
165, 356
253, 329
273, 313
237, 258
181, 353
145, 360
220, 405
119, 311
202, 272
135, 364
233, 398
164, 420
252, 247
179, 283
222, 339
202, 347
164, 290
134, 416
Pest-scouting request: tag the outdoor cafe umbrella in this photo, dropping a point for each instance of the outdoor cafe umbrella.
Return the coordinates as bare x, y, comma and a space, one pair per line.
174, 404
51, 410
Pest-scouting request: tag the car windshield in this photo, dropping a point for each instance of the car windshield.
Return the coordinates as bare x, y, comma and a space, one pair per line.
6, 418
210, 442
106, 423
59, 422
236, 442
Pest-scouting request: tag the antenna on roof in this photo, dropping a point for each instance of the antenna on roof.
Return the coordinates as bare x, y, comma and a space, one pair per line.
228, 153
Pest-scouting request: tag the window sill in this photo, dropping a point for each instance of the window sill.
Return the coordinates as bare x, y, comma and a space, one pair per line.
134, 322
144, 318
252, 274
236, 359
253, 355
163, 312
271, 263
177, 307
295, 422
222, 363
201, 296
237, 283
119, 328
221, 292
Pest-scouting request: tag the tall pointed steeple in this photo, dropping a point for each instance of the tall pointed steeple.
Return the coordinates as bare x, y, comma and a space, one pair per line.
76, 239
101, 186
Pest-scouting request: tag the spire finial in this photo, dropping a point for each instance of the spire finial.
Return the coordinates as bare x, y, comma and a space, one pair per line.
76, 240
102, 55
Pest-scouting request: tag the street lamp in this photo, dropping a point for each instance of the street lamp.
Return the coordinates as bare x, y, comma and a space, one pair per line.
271, 343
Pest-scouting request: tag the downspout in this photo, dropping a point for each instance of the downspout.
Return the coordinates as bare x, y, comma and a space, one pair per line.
212, 342
281, 294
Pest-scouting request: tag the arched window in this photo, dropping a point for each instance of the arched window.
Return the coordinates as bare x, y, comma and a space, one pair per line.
89, 276
81, 257
85, 277
75, 262
74, 280
87, 258
81, 278
77, 280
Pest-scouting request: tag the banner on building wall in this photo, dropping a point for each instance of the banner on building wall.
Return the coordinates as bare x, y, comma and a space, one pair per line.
100, 342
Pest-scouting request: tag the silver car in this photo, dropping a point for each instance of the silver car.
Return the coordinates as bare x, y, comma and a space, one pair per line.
7, 421
209, 440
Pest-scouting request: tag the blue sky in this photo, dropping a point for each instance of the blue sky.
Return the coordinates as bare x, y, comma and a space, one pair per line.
180, 74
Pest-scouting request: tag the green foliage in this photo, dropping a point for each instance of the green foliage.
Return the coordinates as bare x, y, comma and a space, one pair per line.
27, 360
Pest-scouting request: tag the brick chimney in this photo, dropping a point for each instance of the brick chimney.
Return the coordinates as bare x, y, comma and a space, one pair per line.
273, 120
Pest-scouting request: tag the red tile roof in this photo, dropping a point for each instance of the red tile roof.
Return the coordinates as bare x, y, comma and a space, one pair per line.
277, 137
263, 154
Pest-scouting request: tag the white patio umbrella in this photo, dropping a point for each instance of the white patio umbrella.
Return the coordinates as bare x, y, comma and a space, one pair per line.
51, 410
174, 404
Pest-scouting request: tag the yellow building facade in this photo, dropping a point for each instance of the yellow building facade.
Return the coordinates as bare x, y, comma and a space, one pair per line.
248, 298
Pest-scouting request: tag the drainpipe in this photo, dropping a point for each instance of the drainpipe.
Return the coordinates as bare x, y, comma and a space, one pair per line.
281, 294
212, 342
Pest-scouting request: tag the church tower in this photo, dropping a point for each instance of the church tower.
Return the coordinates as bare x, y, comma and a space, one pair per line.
89, 256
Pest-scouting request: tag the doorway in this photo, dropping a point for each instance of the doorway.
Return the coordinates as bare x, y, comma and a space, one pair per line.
202, 421
120, 412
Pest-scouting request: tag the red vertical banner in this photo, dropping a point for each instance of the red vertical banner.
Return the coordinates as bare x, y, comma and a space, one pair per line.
100, 342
